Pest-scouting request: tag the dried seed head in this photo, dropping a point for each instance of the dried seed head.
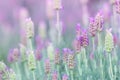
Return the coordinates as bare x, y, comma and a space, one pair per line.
71, 60
54, 76
109, 43
57, 56
57, 4
64, 77
31, 60
92, 27
29, 28
99, 21
47, 66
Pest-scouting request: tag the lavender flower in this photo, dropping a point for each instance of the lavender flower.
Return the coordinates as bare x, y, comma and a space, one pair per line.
29, 28
38, 55
57, 56
47, 66
65, 55
64, 77
55, 76
14, 55
71, 60
78, 30
117, 5
99, 21
31, 61
109, 43
92, 27
12, 75
77, 45
2, 67
57, 4
84, 39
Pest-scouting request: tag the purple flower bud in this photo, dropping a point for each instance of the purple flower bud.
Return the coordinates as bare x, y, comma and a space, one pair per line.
54, 76
92, 27
64, 77
57, 56
47, 66
84, 39
76, 45
14, 55
78, 30
65, 55
38, 54
117, 4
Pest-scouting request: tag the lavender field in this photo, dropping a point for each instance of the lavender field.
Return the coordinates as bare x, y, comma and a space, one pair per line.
60, 39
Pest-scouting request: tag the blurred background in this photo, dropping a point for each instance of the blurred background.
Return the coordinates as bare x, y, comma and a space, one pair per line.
14, 12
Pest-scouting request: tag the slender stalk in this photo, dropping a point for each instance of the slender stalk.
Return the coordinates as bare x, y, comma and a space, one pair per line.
58, 69
71, 72
33, 75
18, 71
93, 41
85, 57
66, 68
39, 67
110, 68
79, 64
26, 70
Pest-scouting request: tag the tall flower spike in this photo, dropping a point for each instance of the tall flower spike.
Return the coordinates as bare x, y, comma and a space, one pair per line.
57, 56
109, 43
64, 77
92, 27
57, 4
29, 28
84, 39
99, 21
65, 55
31, 61
47, 66
71, 60
117, 5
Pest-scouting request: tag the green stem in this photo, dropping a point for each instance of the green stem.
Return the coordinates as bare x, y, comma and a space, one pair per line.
39, 67
110, 68
79, 64
93, 44
30, 44
71, 72
66, 69
26, 70
33, 75
58, 68
85, 57
18, 71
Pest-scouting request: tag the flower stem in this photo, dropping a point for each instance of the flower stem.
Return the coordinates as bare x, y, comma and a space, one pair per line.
58, 69
71, 72
79, 64
33, 75
85, 57
39, 67
66, 69
18, 71
26, 70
